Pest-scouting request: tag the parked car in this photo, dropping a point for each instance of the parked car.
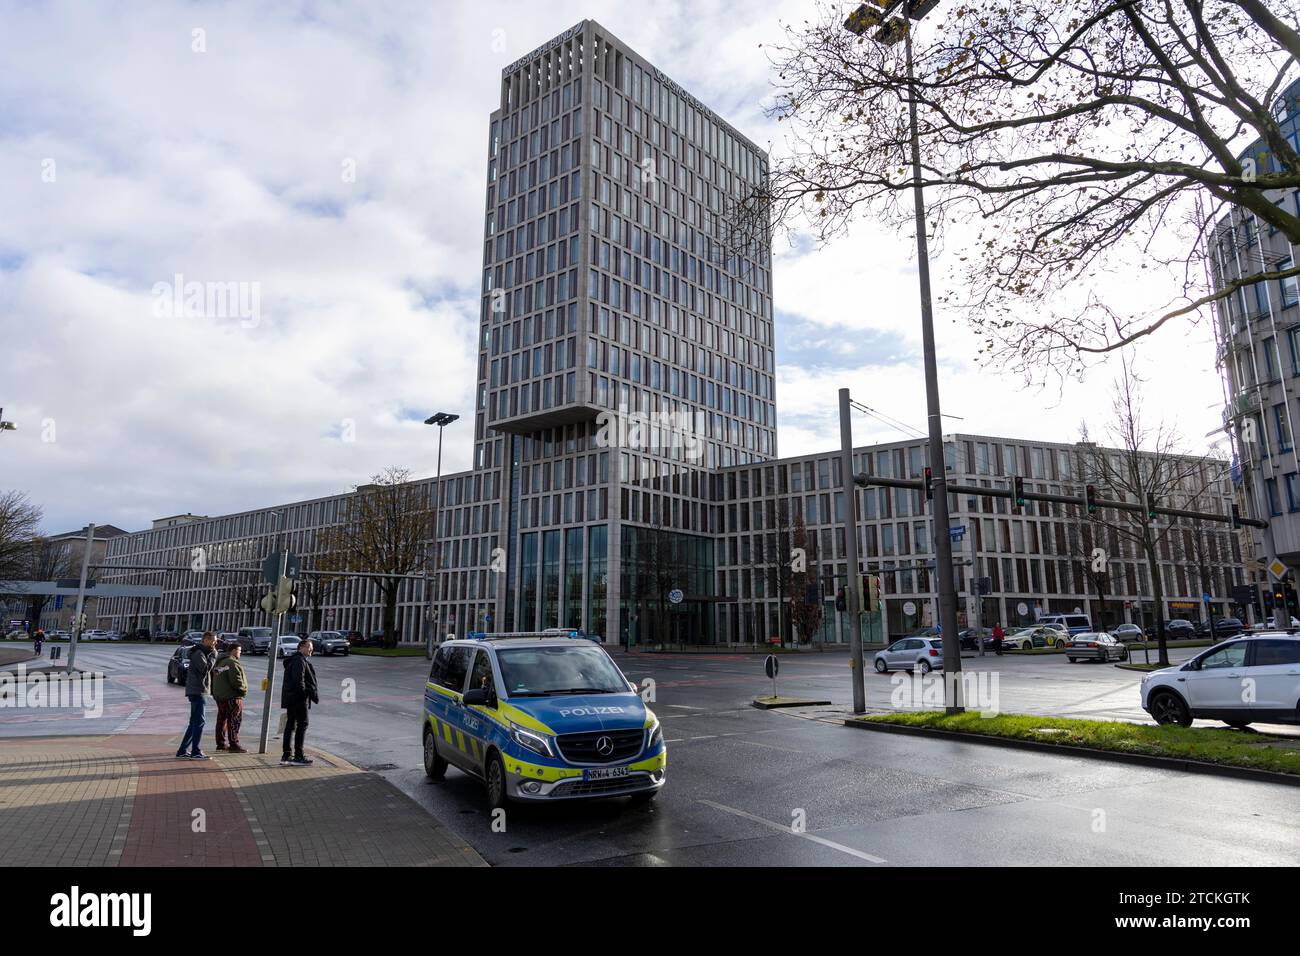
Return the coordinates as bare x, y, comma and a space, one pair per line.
969, 637
1178, 630
1127, 632
329, 643
1220, 628
911, 654
94, 634
165, 636
1096, 646
1027, 638
60, 635
288, 645
139, 634
226, 640
1070, 623
16, 635
1211, 685
255, 640
178, 664
112, 635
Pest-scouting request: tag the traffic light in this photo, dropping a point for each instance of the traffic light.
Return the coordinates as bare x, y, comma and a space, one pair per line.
285, 598
929, 485
1151, 506
1018, 488
873, 594
1090, 496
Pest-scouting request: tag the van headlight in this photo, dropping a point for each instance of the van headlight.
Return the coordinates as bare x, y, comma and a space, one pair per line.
530, 740
654, 735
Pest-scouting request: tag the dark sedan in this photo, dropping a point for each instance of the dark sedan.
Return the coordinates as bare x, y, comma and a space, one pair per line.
971, 635
1220, 628
1175, 630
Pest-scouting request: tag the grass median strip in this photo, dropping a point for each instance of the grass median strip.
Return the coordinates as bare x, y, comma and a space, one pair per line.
1209, 745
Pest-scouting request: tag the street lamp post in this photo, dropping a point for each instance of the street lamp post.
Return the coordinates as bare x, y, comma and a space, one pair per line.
890, 31
442, 420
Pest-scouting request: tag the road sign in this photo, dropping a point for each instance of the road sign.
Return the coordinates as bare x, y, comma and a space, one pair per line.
771, 666
957, 533
1277, 569
271, 567
675, 596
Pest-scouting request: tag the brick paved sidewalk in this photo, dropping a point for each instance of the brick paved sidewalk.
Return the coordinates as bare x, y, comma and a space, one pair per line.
127, 801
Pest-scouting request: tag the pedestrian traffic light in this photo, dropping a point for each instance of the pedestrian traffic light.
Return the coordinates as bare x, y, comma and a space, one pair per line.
841, 600
1090, 496
1018, 488
873, 594
929, 485
1151, 506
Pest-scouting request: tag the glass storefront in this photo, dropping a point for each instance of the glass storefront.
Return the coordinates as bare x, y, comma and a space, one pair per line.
654, 563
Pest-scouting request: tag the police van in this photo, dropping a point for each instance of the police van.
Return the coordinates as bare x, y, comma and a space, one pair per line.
540, 716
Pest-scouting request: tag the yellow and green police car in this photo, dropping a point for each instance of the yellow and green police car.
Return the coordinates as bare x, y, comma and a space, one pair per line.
540, 716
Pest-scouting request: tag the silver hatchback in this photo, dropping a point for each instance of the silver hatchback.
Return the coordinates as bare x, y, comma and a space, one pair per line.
922, 654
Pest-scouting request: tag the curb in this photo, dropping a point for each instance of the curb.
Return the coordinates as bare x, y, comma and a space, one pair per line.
1145, 760
771, 703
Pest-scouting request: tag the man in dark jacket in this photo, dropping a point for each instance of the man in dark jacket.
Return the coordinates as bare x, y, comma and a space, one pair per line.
297, 696
229, 687
198, 684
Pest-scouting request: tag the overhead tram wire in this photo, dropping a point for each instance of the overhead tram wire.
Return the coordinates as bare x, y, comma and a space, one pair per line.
887, 420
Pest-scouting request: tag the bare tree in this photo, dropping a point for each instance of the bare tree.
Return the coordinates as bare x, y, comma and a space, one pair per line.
383, 530
1146, 465
806, 607
19, 524
772, 555
47, 561
1070, 137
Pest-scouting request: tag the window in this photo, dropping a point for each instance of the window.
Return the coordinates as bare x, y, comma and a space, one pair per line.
481, 677
1290, 285
1270, 653
1282, 427
1270, 486
1234, 655
454, 665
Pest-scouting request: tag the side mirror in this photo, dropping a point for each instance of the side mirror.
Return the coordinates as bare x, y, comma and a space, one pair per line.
480, 697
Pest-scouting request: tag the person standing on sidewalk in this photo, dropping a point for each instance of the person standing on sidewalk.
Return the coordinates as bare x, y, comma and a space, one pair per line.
298, 695
997, 639
198, 684
229, 687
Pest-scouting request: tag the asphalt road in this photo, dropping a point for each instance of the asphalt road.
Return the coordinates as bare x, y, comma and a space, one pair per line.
739, 778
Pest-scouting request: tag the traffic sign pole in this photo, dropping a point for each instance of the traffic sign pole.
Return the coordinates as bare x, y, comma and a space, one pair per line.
78, 622
272, 654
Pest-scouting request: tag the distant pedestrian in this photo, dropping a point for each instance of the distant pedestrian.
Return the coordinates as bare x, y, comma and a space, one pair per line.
229, 687
38, 640
997, 639
296, 698
198, 684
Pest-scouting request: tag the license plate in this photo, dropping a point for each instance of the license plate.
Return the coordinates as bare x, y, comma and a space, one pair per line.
605, 773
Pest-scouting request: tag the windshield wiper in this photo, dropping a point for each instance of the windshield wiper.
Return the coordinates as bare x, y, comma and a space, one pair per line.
529, 693
580, 690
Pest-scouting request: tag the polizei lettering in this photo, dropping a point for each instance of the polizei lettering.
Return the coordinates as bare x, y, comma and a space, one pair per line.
591, 711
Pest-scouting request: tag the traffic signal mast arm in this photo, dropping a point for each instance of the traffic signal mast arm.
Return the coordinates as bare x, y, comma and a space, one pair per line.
1078, 501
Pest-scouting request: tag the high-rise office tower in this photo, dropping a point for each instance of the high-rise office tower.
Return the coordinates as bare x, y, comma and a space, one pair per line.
625, 345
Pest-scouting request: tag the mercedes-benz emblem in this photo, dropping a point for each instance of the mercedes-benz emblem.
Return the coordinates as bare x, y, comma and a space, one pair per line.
604, 746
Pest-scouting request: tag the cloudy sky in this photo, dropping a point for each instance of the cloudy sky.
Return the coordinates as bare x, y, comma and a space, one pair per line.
330, 157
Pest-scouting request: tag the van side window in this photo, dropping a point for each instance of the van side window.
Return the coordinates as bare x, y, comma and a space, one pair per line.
453, 677
439, 666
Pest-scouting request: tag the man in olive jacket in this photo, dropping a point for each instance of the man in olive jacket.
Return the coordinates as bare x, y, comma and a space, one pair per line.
198, 684
297, 696
229, 687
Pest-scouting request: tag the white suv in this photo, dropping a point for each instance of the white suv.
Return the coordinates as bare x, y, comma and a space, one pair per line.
1250, 679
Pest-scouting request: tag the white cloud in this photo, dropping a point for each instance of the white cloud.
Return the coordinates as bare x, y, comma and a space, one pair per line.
228, 166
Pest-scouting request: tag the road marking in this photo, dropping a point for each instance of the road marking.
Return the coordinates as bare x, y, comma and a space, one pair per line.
131, 719
789, 750
785, 829
685, 706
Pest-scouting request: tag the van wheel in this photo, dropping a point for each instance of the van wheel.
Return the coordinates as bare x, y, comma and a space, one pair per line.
494, 775
434, 766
